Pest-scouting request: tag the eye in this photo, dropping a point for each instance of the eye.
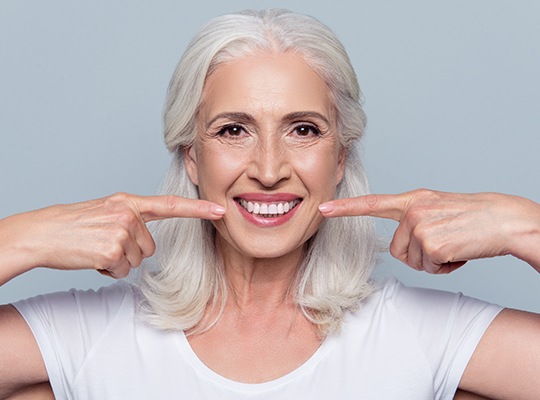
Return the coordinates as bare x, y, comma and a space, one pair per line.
233, 130
307, 130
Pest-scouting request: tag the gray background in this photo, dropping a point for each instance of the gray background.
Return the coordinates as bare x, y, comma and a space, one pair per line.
451, 91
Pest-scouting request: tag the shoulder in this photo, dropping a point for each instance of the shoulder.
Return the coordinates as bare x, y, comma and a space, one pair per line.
103, 296
439, 322
410, 301
436, 331
428, 312
89, 308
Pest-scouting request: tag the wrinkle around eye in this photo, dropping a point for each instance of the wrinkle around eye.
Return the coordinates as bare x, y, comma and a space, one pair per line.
316, 135
309, 129
221, 135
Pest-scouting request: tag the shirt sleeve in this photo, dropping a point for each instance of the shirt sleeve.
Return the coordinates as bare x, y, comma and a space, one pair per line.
66, 326
448, 326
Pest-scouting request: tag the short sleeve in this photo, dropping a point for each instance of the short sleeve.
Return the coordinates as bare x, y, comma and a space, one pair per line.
67, 325
448, 326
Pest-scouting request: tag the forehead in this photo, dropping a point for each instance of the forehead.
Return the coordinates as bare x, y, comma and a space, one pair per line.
266, 83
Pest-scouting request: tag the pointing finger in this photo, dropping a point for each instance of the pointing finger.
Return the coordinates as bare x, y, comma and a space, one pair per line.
390, 206
161, 207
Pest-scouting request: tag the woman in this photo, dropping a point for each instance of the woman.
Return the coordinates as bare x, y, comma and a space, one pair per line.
272, 298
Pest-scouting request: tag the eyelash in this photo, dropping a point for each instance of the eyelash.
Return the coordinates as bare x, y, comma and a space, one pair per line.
227, 130
235, 130
314, 130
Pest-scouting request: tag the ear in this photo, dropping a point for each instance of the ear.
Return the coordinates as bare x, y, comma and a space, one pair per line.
190, 161
341, 164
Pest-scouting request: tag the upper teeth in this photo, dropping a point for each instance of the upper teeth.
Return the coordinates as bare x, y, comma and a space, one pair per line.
268, 208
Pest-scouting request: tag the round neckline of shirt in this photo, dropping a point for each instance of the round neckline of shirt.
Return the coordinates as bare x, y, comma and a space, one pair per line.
210, 374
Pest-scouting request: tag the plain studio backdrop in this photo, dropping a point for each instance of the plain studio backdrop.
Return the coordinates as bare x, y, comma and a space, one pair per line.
451, 91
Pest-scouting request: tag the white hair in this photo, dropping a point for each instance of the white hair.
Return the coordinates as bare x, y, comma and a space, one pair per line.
335, 275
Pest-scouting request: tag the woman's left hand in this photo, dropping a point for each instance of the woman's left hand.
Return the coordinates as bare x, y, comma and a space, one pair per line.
439, 232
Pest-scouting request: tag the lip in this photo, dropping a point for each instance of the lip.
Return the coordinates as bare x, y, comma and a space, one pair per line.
268, 198
267, 222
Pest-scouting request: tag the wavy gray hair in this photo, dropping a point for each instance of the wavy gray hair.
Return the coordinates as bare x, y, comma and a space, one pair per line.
188, 276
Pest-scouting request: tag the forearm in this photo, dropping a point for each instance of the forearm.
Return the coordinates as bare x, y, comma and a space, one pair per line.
525, 240
16, 255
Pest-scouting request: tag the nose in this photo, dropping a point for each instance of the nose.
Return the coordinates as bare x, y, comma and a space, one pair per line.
269, 164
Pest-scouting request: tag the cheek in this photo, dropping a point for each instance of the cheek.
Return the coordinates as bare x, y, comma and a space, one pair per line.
321, 170
217, 170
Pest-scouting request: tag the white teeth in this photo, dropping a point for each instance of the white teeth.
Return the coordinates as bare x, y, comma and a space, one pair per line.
268, 209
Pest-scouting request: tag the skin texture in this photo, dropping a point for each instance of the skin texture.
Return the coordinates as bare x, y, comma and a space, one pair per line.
41, 391
107, 234
259, 137
262, 97
439, 232
267, 118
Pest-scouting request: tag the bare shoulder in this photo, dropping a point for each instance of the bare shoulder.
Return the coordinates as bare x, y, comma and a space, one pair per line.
506, 363
21, 362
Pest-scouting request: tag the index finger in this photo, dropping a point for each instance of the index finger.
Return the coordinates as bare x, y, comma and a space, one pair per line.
152, 208
388, 206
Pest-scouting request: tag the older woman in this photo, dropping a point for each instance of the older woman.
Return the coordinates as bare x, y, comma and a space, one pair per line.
257, 291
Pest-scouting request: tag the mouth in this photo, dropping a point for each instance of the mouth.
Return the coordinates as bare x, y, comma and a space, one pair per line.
268, 209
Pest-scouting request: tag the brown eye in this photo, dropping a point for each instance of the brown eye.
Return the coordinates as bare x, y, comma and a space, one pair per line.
307, 130
231, 130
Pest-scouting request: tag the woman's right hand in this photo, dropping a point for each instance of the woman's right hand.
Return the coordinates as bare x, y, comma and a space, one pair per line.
107, 234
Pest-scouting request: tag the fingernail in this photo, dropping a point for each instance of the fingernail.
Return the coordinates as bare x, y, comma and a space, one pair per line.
326, 208
218, 210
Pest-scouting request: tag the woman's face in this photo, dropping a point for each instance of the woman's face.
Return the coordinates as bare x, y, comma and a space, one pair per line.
267, 150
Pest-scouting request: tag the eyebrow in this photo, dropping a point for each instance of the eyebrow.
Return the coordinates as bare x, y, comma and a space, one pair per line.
235, 116
248, 118
305, 114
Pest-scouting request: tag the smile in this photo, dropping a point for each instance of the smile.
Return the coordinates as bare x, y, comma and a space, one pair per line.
268, 210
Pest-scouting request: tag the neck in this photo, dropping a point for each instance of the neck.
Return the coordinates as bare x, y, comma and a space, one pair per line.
259, 284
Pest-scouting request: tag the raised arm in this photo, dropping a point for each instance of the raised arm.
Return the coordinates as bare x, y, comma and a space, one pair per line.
108, 235
438, 232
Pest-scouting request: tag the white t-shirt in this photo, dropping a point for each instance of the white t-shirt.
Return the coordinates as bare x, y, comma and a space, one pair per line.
404, 343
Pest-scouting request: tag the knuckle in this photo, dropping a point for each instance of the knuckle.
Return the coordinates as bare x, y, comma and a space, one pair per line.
429, 267
170, 202
137, 260
421, 233
393, 250
415, 215
372, 201
113, 255
119, 197
127, 219
149, 250
120, 236
119, 273
113, 200
427, 197
399, 253
439, 255
422, 192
